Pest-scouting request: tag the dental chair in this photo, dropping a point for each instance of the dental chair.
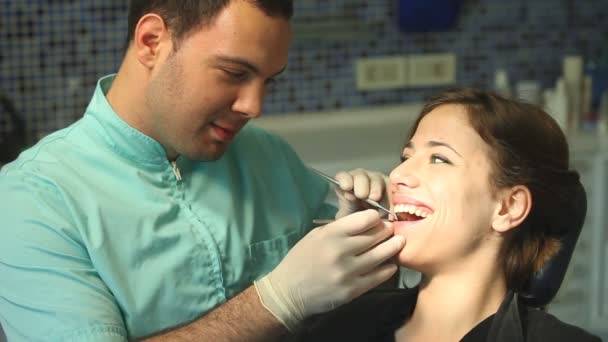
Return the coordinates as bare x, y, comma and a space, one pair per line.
543, 286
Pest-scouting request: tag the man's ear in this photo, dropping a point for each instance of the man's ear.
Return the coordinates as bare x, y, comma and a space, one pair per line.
150, 38
513, 208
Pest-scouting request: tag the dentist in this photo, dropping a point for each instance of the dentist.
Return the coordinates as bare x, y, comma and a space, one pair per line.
152, 216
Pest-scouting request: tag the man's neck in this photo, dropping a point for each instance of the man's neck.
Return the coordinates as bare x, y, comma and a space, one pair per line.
126, 96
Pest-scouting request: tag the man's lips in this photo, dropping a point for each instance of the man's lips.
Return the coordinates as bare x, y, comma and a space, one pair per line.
224, 133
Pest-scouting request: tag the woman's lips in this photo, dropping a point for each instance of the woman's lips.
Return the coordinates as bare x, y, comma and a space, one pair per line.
404, 228
415, 217
408, 223
404, 199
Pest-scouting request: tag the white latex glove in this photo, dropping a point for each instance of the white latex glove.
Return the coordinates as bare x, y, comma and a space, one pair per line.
330, 266
364, 184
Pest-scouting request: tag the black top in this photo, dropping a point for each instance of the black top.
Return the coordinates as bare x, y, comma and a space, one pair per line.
376, 316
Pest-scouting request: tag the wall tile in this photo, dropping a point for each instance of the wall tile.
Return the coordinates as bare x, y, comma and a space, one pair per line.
52, 53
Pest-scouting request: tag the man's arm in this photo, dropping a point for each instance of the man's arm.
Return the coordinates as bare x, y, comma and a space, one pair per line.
329, 267
242, 318
49, 288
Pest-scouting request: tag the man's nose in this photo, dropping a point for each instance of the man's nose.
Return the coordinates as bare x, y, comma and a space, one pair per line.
250, 101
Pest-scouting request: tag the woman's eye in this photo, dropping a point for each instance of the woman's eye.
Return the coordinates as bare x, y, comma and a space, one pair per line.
437, 159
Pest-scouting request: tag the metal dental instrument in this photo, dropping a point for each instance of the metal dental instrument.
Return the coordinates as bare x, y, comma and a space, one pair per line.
328, 221
367, 200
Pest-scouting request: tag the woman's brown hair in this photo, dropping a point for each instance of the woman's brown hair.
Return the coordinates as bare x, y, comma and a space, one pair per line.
529, 149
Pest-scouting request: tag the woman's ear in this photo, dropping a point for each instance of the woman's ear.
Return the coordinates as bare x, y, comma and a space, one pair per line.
513, 208
151, 36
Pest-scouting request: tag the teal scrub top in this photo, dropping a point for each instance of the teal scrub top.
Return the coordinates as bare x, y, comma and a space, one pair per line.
103, 239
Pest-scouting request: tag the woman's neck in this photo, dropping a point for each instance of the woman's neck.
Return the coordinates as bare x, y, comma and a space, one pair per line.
450, 304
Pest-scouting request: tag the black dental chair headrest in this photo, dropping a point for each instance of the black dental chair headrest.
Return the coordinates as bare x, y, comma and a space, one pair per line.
543, 286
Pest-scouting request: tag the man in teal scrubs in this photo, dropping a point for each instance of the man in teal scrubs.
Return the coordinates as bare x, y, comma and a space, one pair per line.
151, 217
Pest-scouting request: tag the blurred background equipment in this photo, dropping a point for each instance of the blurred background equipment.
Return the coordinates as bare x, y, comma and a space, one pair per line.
427, 15
53, 52
14, 138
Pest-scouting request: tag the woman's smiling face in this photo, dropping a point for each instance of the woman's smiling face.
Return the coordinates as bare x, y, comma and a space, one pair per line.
443, 191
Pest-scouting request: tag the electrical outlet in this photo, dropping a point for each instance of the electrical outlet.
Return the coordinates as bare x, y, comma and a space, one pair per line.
381, 73
431, 69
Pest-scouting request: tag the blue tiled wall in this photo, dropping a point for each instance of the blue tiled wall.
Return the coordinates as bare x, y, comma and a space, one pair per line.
52, 52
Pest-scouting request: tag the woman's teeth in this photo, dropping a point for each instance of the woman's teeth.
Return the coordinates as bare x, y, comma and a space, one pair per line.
408, 212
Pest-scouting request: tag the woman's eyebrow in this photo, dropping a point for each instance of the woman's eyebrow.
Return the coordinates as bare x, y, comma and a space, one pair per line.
439, 143
433, 143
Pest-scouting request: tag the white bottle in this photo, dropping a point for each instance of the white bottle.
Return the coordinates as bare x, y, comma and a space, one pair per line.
573, 78
501, 83
602, 123
556, 104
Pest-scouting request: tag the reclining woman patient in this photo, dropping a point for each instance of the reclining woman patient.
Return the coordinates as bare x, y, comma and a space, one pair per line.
482, 193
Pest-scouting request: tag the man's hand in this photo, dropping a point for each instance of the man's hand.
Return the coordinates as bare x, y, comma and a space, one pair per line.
357, 185
330, 266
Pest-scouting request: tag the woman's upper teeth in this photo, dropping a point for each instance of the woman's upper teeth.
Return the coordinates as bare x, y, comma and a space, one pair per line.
412, 209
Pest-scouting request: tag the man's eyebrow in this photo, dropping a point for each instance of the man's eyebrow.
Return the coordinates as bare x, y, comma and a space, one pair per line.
433, 144
245, 63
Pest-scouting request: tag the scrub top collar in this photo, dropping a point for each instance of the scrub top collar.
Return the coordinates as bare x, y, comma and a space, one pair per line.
122, 138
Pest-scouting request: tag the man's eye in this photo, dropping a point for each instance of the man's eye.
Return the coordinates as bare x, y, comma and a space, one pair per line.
237, 75
437, 159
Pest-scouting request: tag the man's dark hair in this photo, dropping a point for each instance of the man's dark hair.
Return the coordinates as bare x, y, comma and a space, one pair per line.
184, 16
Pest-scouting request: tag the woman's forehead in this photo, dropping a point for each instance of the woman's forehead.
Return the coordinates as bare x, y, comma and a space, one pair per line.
448, 124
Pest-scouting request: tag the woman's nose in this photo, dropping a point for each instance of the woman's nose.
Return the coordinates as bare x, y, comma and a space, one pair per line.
403, 176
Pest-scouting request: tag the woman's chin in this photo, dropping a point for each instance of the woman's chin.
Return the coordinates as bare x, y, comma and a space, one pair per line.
404, 258
411, 258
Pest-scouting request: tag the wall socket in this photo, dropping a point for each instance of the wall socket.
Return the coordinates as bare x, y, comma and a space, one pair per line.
381, 73
431, 69
420, 70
